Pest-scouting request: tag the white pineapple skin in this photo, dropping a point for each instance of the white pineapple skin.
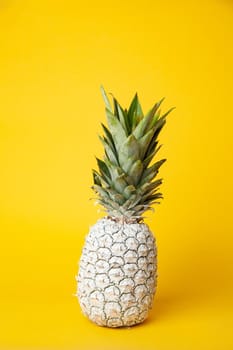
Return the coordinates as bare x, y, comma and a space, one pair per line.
117, 273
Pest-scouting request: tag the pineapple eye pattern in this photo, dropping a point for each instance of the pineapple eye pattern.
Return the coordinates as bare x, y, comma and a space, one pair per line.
119, 285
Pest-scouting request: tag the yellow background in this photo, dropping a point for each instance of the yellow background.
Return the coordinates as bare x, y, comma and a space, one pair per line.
53, 57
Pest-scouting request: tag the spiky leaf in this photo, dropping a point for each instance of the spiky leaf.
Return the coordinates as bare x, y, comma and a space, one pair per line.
104, 169
135, 172
105, 98
117, 130
110, 153
129, 191
129, 153
126, 184
151, 172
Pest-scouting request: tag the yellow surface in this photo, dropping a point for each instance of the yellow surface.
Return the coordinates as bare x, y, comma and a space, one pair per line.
54, 56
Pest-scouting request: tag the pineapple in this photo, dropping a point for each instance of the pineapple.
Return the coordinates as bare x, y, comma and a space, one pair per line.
118, 266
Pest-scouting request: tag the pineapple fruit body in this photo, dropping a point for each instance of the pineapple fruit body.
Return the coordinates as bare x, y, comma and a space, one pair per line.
117, 273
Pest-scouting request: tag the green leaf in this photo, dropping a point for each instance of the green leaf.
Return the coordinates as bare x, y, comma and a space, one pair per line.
105, 98
100, 190
118, 198
129, 191
157, 129
144, 143
104, 170
140, 129
150, 196
120, 114
117, 131
128, 213
158, 124
135, 172
139, 111
150, 199
101, 181
96, 178
109, 204
135, 113
130, 200
120, 183
123, 119
138, 115
114, 170
129, 152
140, 209
115, 103
150, 186
110, 154
134, 201
115, 196
149, 158
151, 172
109, 138
132, 110
152, 112
151, 116
169, 111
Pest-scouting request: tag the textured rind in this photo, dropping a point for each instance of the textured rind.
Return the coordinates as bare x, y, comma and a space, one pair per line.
117, 273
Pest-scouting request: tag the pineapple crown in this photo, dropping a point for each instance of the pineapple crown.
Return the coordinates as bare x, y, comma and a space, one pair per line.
125, 183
